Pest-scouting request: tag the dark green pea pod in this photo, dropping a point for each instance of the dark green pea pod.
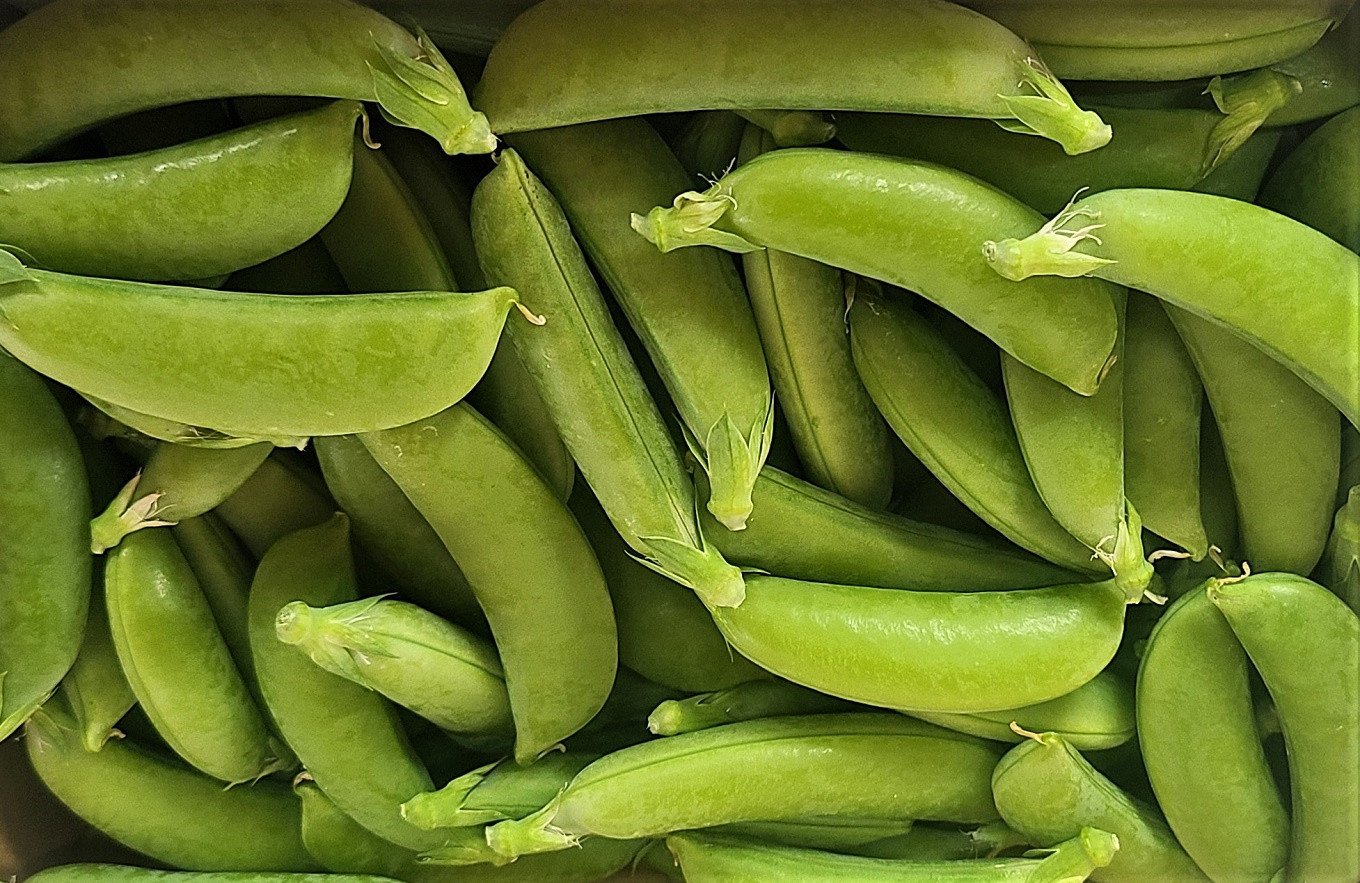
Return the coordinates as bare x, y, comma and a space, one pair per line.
1314, 182
1341, 560
753, 700
707, 144
274, 502
307, 269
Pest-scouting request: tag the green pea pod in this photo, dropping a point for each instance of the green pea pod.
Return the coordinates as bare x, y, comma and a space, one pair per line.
596, 859
709, 857
867, 765
707, 145
834, 833
45, 566
252, 364
348, 738
1282, 440
908, 57
1048, 792
340, 844
181, 212
602, 172
803, 532
96, 688
527, 561
182, 817
1198, 733
178, 482
123, 422
496, 792
274, 502
1303, 311
1312, 183
959, 428
590, 383
753, 700
91, 873
910, 224
150, 53
1304, 642
1341, 560
792, 128
927, 842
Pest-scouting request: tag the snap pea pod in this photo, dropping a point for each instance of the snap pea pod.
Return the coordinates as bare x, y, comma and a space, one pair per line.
1341, 560
834, 833
183, 818
178, 213
1282, 440
911, 57
1198, 734
95, 688
960, 429
1204, 254
927, 842
340, 844
741, 772
1313, 182
93, 873
753, 700
1304, 642
604, 171
45, 567
867, 214
177, 483
496, 792
710, 857
419, 661
707, 145
115, 420
546, 602
596, 859
250, 363
792, 128
1048, 792
921, 650
274, 502
150, 53
591, 384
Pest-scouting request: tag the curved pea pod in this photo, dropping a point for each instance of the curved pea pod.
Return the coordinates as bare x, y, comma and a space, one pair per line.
753, 700
117, 421
706, 857
911, 224
811, 534
251, 364
920, 651
913, 57
1200, 743
277, 500
92, 873
178, 482
590, 383
1340, 567
689, 310
340, 844
200, 209
866, 765
528, 563
151, 53
1283, 445
45, 566
1304, 642
959, 428
1048, 792
182, 817
1288, 289
496, 792
1313, 182
95, 688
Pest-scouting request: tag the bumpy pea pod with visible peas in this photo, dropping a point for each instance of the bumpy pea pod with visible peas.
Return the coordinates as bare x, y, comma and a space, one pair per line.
1340, 569
181, 212
280, 498
907, 223
689, 310
92, 873
181, 817
1304, 642
591, 384
908, 57
1200, 743
1218, 258
527, 561
252, 364
1317, 182
45, 567
151, 53
864, 765
753, 700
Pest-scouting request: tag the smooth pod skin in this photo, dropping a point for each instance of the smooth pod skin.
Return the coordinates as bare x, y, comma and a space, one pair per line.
921, 650
95, 688
1207, 255
834, 833
183, 818
811, 534
957, 426
612, 59
689, 309
90, 873
910, 224
1313, 182
274, 502
152, 53
1304, 642
527, 561
1200, 744
348, 738
130, 424
200, 209
1048, 792
753, 700
251, 363
45, 567
867, 765
589, 381
1340, 568
1283, 444
340, 844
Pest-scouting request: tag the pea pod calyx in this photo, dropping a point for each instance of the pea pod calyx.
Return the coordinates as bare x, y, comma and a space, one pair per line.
1246, 102
732, 459
124, 516
1049, 251
689, 221
1051, 113
424, 93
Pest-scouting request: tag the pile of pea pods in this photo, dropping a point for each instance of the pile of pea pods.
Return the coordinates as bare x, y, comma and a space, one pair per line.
717, 440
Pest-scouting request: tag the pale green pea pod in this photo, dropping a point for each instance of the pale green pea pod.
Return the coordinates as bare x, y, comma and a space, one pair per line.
496, 792
419, 661
749, 701
1341, 560
792, 128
